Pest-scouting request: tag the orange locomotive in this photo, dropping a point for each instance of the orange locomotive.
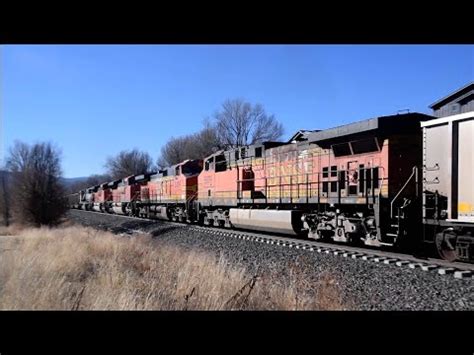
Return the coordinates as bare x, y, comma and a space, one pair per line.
170, 193
337, 184
357, 183
101, 196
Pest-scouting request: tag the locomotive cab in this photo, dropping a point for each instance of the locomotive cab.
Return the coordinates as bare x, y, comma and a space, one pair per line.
367, 181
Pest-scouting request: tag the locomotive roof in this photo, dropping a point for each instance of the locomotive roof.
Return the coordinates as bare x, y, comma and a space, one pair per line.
266, 145
382, 124
467, 89
142, 177
158, 174
301, 135
171, 170
113, 183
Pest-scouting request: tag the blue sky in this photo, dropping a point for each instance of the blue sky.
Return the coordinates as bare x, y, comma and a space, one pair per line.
93, 101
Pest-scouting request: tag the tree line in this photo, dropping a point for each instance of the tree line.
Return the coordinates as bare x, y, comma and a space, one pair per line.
33, 192
237, 123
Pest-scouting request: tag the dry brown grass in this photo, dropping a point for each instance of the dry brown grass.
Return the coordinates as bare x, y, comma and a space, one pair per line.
80, 268
13, 229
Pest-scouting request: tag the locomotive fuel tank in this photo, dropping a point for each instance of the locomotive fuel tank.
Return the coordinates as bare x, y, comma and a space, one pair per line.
118, 209
96, 207
159, 212
278, 221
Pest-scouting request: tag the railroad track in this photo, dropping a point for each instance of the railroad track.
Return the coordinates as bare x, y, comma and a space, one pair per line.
457, 270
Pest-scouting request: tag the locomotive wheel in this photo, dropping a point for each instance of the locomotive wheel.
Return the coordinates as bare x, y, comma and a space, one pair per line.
446, 246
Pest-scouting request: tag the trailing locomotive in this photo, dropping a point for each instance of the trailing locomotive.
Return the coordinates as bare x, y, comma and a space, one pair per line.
400, 180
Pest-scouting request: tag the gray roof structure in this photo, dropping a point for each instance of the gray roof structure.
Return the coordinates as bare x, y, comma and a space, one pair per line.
384, 124
458, 94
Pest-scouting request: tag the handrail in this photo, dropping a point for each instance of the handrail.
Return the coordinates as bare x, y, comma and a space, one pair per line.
381, 183
414, 171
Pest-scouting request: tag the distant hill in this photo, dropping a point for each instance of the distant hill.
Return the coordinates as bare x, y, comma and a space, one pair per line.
84, 182
70, 181
74, 179
67, 182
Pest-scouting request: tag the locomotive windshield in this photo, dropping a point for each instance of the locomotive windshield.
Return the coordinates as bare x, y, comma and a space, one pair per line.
191, 168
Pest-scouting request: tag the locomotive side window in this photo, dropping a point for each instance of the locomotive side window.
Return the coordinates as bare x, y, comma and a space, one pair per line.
221, 163
242, 153
372, 177
191, 168
342, 180
376, 177
258, 152
325, 186
352, 189
334, 170
361, 178
178, 170
325, 172
368, 177
237, 154
207, 164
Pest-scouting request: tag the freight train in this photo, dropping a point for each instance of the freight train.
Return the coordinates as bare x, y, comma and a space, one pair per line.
402, 181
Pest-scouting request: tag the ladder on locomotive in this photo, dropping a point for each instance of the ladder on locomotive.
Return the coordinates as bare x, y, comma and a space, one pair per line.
188, 205
399, 212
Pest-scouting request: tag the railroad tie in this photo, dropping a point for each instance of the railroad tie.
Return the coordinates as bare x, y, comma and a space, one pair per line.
415, 265
446, 271
402, 263
463, 274
429, 267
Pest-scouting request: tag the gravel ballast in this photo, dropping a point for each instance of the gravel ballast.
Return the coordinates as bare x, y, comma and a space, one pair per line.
366, 285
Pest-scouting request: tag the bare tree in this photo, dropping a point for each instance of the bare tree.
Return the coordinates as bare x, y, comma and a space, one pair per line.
193, 146
128, 163
239, 123
173, 152
36, 183
4, 197
206, 142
